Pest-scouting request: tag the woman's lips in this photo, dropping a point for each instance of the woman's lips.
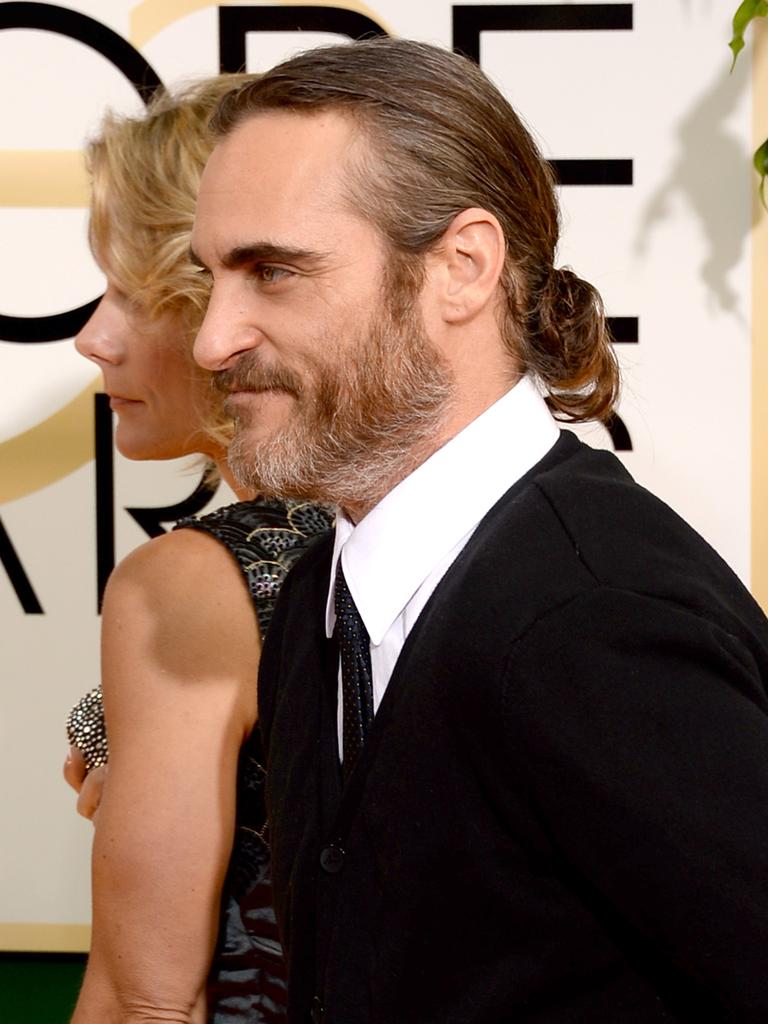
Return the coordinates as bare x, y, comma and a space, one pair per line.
121, 402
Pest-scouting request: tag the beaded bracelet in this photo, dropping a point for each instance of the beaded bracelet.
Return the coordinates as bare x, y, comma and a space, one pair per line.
86, 729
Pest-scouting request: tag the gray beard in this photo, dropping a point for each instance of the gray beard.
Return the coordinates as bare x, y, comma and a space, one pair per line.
362, 428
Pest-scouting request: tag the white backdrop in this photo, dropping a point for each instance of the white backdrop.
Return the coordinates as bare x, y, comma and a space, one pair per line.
670, 247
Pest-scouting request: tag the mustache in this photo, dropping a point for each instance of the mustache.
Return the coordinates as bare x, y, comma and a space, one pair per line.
249, 374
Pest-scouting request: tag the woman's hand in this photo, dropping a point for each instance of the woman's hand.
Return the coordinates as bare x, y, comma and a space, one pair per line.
74, 768
88, 785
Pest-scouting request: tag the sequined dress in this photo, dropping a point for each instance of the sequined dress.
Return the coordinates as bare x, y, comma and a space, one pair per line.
247, 979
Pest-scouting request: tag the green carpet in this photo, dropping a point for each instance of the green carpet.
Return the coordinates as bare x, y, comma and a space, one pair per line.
39, 988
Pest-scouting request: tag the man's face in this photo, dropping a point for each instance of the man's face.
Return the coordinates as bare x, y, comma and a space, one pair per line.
333, 384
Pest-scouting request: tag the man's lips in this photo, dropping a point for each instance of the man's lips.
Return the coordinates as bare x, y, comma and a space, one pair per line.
245, 404
245, 393
248, 379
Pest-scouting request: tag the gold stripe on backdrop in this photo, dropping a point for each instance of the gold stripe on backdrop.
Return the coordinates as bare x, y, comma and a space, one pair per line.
49, 451
152, 16
45, 938
43, 178
760, 329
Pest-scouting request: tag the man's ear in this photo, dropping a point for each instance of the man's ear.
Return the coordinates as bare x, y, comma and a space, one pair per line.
471, 259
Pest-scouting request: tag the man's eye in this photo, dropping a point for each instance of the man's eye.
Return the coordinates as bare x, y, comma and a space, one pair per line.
269, 274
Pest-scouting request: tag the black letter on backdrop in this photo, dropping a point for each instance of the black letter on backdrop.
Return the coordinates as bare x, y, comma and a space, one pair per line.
105, 494
17, 576
236, 22
50, 18
617, 428
625, 330
470, 20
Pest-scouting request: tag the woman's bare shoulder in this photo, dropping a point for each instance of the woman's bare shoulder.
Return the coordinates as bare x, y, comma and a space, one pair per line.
185, 565
180, 601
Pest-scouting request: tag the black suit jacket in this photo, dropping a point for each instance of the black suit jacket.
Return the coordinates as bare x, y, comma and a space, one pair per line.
561, 814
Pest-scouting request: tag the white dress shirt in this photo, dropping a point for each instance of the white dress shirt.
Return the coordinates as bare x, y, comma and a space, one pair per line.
395, 557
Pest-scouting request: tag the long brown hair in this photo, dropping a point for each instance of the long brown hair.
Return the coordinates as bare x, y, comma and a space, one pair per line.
441, 139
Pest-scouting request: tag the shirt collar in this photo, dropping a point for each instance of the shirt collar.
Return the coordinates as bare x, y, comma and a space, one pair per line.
390, 553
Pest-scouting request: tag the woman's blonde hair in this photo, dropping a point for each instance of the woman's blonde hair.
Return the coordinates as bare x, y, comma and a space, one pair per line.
145, 172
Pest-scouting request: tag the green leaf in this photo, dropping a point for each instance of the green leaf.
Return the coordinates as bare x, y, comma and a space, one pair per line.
760, 161
746, 12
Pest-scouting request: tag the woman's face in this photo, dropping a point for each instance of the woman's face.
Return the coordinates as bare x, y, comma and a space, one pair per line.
155, 388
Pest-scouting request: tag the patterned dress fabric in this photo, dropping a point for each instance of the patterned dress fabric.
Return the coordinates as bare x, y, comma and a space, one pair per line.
247, 979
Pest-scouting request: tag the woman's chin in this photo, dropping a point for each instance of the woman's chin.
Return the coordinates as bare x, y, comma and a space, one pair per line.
141, 446
138, 452
138, 446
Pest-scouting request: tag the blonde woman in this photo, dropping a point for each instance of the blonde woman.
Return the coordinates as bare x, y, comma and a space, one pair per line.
183, 928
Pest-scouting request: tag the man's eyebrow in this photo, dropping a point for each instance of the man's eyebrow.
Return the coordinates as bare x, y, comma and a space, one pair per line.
269, 252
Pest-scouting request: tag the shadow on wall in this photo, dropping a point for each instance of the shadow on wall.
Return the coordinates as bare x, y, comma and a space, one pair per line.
710, 155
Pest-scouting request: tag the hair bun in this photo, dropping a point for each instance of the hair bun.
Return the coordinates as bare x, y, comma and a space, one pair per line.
569, 348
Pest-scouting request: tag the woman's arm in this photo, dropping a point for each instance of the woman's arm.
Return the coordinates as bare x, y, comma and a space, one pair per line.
180, 650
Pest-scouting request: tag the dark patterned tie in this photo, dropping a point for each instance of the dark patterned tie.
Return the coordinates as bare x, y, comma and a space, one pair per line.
356, 677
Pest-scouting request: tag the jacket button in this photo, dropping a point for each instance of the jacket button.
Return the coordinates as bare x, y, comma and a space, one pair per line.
332, 859
317, 1013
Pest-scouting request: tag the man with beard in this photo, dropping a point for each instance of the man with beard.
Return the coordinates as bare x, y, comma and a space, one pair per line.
514, 709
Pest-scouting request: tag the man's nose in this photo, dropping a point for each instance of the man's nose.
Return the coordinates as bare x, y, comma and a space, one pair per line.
224, 335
